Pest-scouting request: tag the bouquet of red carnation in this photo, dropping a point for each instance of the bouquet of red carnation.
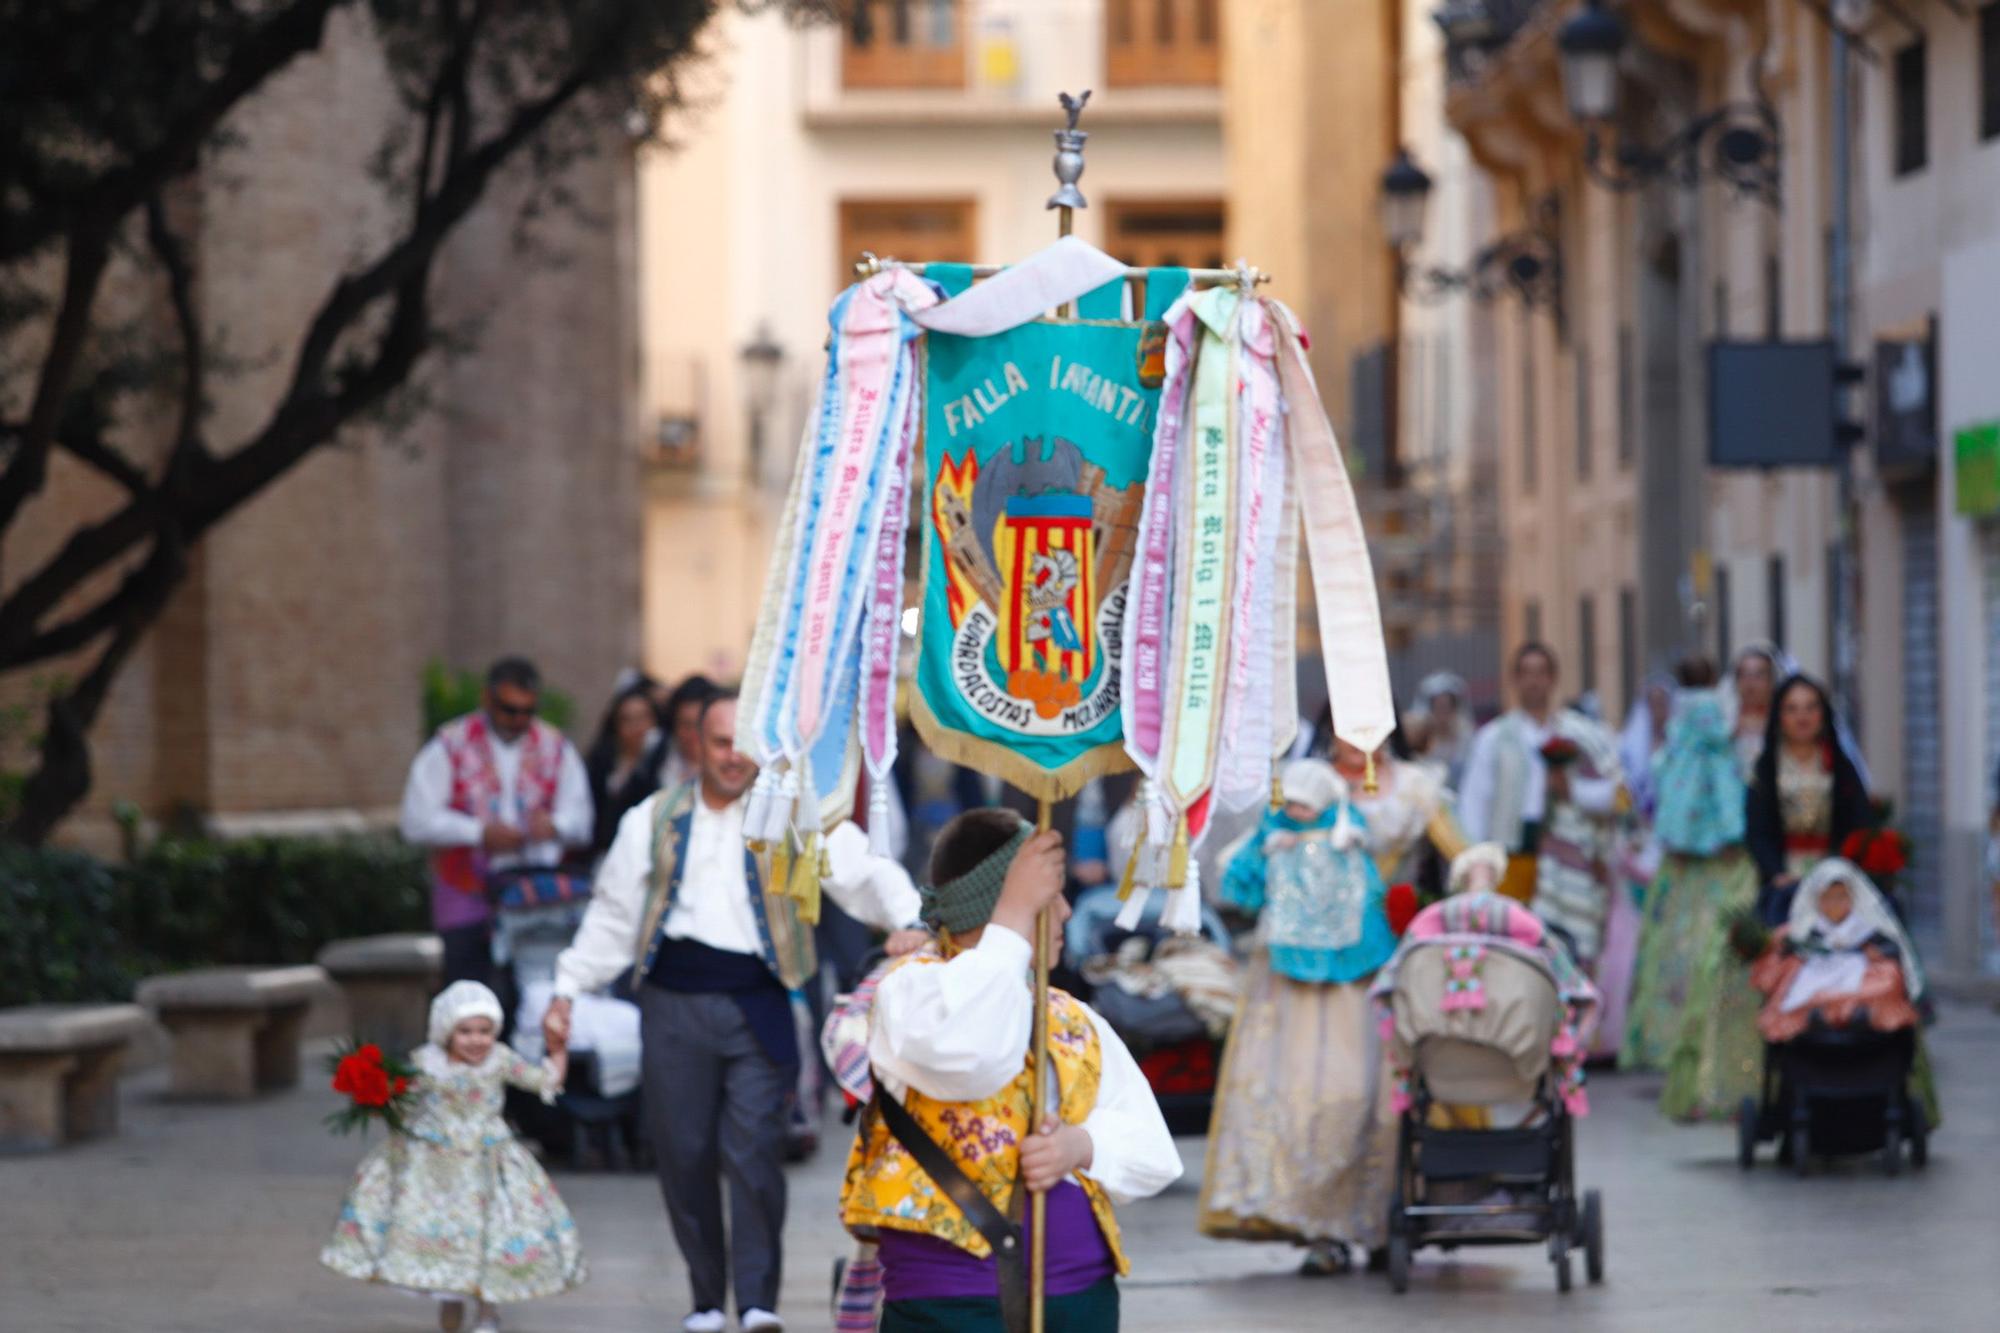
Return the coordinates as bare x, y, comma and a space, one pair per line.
1560, 752
377, 1087
1400, 905
1883, 852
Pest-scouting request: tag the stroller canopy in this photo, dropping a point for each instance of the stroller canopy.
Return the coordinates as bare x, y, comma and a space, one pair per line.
1479, 998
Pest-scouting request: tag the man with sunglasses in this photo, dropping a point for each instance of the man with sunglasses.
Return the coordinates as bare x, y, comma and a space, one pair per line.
495, 790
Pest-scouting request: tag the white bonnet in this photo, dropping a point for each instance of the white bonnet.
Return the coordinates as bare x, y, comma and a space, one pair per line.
1488, 854
456, 1003
1312, 783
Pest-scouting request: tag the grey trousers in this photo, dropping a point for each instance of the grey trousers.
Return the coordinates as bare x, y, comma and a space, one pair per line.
715, 1108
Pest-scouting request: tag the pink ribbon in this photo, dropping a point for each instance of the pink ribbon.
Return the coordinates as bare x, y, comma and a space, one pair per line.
869, 344
1145, 645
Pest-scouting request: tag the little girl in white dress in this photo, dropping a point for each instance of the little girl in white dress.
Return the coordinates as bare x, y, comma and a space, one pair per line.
454, 1207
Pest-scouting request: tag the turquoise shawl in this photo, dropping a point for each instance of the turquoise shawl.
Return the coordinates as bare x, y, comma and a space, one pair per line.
1321, 905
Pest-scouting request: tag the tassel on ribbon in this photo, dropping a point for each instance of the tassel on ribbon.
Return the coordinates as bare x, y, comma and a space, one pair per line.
1277, 791
779, 815
781, 866
878, 818
804, 881
1177, 856
1368, 783
758, 812
1133, 914
1127, 880
1182, 913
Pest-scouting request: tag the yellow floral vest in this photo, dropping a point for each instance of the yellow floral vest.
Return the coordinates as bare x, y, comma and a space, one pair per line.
885, 1188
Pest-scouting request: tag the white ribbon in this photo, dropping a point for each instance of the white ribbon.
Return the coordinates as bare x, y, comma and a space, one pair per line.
1350, 618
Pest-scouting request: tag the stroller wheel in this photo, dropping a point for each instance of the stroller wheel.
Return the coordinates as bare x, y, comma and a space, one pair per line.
1801, 1144
1919, 1130
1593, 1236
1746, 1133
839, 1280
1399, 1262
1559, 1256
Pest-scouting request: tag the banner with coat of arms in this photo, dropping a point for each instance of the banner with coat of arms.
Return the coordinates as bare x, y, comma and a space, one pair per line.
1036, 445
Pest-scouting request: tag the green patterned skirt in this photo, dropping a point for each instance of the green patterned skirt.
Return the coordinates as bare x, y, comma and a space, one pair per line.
1685, 911
1713, 1054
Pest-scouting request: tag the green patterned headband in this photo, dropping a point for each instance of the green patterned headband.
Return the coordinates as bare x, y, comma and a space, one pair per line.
966, 903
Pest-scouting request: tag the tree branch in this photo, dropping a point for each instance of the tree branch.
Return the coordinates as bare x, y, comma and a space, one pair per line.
311, 410
91, 448
180, 290
63, 775
273, 44
83, 271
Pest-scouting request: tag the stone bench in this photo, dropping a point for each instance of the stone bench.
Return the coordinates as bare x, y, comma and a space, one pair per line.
235, 1030
388, 981
59, 1072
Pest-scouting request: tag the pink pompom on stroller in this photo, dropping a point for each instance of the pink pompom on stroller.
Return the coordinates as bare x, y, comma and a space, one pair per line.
1486, 1019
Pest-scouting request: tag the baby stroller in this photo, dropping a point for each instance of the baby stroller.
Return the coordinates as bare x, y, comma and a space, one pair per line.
1841, 985
536, 914
1484, 1016
1836, 1092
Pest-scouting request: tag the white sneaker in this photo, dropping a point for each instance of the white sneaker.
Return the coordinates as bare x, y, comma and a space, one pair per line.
704, 1321
762, 1321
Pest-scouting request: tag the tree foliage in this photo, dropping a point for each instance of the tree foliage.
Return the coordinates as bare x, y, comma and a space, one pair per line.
107, 111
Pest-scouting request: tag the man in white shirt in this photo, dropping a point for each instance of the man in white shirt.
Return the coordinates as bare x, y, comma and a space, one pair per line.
1554, 819
493, 791
680, 899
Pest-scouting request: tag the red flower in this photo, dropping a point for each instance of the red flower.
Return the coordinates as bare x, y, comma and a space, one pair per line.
376, 1088
1400, 906
1560, 750
1877, 851
361, 1077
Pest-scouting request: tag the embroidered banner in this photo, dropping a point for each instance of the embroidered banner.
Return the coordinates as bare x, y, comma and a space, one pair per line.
1036, 443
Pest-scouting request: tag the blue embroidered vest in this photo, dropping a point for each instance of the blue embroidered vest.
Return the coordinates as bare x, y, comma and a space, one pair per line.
784, 943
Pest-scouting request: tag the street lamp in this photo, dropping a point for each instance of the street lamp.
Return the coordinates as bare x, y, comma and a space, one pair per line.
1525, 262
762, 357
1406, 190
1737, 142
1465, 22
1589, 46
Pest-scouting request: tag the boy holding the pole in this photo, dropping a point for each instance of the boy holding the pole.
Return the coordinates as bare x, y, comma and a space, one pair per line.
945, 1160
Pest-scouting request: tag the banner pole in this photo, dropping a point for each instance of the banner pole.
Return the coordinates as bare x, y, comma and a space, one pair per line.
1038, 1204
1066, 200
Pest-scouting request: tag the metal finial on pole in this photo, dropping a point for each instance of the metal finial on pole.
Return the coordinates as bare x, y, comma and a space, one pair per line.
1069, 156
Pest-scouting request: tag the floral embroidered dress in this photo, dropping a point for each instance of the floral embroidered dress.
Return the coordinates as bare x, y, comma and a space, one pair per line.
456, 1206
1687, 978
1302, 1143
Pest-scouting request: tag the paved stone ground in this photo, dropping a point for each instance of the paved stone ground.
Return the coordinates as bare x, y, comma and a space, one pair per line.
208, 1218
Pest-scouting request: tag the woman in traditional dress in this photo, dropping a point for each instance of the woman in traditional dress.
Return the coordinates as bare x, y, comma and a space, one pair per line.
1690, 996
1806, 794
1302, 1143
620, 774
1753, 676
1635, 860
1444, 705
